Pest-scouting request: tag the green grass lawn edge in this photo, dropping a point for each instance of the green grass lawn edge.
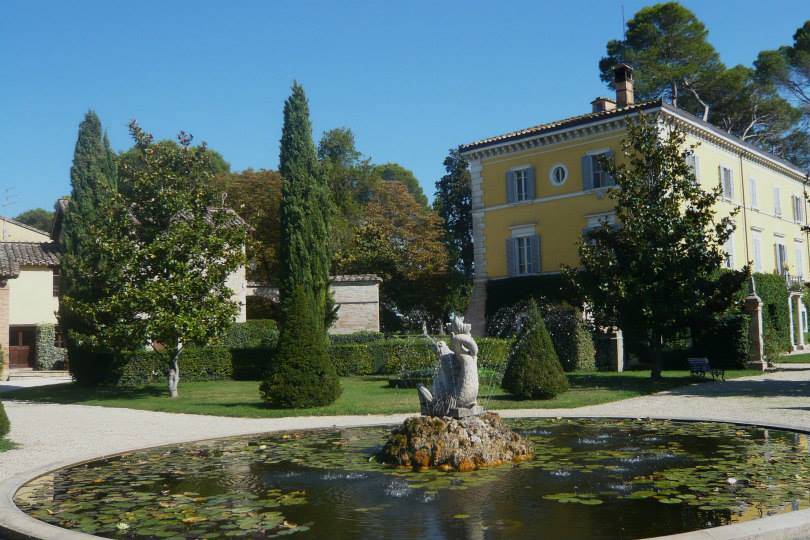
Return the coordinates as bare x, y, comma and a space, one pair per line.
360, 396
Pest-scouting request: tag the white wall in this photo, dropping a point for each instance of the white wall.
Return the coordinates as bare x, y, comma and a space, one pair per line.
31, 299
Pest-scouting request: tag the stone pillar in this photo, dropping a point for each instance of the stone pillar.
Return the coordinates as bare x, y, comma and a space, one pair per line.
792, 324
616, 341
609, 349
799, 328
4, 306
476, 311
756, 351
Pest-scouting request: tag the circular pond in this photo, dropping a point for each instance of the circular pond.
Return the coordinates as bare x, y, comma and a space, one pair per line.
589, 479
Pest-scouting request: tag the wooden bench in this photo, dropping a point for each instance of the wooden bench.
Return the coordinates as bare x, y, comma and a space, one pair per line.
699, 367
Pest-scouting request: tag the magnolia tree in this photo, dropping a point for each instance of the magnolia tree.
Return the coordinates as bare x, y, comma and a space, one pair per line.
171, 245
657, 272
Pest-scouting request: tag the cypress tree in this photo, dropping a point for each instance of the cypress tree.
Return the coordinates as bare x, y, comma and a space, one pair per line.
92, 177
533, 369
302, 374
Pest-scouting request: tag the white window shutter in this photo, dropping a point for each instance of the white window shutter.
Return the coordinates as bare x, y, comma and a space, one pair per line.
752, 188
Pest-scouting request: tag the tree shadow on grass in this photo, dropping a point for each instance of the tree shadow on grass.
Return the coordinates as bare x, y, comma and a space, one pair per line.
746, 388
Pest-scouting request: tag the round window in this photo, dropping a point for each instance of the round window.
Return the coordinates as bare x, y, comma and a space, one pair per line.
558, 174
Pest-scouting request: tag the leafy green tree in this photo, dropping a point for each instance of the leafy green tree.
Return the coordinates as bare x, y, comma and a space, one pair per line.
39, 218
453, 203
256, 197
85, 272
668, 234
338, 146
789, 67
171, 246
667, 46
304, 263
533, 370
394, 172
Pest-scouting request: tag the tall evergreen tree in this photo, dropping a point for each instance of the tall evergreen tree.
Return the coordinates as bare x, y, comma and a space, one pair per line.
302, 374
92, 178
453, 203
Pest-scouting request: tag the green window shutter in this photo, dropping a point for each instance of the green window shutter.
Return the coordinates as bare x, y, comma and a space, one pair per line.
587, 173
511, 259
535, 248
530, 184
510, 187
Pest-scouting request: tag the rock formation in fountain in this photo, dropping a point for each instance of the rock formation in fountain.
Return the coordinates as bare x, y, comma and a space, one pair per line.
453, 432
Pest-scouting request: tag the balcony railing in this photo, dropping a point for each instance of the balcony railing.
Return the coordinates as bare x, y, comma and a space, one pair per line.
794, 283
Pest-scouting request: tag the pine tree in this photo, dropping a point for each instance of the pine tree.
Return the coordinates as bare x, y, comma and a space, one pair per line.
302, 375
533, 369
92, 178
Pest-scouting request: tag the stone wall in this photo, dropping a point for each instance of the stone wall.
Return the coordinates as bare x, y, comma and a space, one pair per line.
357, 297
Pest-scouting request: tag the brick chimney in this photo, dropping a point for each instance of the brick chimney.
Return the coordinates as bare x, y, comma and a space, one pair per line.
623, 83
603, 104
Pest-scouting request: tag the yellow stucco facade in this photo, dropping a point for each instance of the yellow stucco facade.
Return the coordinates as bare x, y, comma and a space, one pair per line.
564, 199
14, 231
559, 213
31, 298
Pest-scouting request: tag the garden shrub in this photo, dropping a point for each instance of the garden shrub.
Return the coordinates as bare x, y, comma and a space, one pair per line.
352, 359
724, 342
47, 354
301, 374
356, 337
252, 334
772, 289
5, 425
533, 369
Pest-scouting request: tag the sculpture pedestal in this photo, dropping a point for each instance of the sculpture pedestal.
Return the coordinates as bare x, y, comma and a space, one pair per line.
450, 444
463, 412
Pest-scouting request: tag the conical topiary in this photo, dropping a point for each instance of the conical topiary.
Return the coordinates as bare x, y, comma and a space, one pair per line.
302, 374
533, 369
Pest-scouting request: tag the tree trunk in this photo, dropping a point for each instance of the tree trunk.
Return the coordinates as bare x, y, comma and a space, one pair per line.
656, 357
174, 372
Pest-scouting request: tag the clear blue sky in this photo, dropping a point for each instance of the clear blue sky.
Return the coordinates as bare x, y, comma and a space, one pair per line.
411, 79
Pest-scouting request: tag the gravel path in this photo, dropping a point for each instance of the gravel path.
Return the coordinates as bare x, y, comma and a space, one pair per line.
51, 435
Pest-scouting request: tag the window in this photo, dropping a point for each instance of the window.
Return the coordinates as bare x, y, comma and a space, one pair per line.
594, 175
727, 183
798, 262
558, 174
777, 202
55, 284
693, 161
752, 189
596, 221
522, 253
781, 257
729, 249
798, 208
756, 241
520, 184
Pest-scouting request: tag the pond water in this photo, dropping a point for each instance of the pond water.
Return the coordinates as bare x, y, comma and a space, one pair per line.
589, 479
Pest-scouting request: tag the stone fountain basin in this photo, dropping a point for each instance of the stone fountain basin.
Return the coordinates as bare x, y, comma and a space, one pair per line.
15, 524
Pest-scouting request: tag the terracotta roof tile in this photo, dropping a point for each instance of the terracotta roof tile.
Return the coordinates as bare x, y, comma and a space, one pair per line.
18, 254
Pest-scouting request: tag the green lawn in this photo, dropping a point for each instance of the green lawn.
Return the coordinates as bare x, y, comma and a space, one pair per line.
361, 395
6, 444
794, 359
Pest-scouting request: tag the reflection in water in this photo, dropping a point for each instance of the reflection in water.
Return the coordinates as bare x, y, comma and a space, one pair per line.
589, 479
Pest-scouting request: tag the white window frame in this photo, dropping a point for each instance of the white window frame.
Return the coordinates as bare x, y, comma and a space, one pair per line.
798, 252
752, 190
523, 254
728, 187
594, 221
693, 161
777, 202
756, 247
729, 249
798, 208
552, 179
521, 176
781, 262
596, 168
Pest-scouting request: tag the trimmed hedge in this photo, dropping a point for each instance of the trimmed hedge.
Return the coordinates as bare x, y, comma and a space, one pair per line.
357, 337
47, 355
5, 425
772, 289
725, 343
252, 334
398, 355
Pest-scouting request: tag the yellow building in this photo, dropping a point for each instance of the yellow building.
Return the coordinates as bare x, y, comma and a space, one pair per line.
535, 191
